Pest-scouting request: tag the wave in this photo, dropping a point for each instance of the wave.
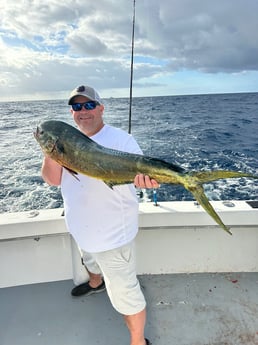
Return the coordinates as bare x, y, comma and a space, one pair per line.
202, 132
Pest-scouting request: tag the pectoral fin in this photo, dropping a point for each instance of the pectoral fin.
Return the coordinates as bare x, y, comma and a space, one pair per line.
111, 184
73, 173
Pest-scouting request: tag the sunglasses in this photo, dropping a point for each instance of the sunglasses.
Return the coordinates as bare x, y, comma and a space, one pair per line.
90, 105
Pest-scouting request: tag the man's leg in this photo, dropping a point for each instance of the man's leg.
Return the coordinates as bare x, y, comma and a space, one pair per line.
95, 279
95, 283
123, 288
93, 269
136, 324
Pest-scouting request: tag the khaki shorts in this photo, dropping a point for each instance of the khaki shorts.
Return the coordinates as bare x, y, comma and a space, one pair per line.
119, 272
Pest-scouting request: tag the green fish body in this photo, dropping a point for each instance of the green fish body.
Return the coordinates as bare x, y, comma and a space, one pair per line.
79, 154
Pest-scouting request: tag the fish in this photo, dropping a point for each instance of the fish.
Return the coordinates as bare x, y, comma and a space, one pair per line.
78, 153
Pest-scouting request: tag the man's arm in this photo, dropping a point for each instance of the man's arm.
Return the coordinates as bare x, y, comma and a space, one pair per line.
51, 171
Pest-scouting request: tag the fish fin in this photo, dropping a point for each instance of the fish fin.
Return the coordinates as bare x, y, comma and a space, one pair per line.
198, 193
208, 176
109, 184
112, 184
164, 164
73, 173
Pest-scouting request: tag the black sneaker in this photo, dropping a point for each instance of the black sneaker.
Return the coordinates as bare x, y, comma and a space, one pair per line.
86, 289
147, 341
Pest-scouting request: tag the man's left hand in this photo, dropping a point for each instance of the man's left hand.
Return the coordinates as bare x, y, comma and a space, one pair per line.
144, 181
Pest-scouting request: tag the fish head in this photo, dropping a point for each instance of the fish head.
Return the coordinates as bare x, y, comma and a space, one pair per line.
47, 137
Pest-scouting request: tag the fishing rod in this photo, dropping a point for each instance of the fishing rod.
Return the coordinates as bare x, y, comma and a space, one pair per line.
131, 75
155, 198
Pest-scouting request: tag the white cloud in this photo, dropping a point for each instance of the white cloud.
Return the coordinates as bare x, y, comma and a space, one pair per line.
49, 47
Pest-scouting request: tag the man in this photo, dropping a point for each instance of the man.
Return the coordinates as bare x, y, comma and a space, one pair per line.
104, 221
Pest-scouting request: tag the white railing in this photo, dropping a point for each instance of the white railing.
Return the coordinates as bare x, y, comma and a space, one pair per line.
174, 237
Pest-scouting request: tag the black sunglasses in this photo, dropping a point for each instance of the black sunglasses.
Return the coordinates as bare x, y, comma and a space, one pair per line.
90, 105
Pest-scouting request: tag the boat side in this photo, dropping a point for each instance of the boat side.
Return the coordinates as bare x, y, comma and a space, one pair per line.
174, 237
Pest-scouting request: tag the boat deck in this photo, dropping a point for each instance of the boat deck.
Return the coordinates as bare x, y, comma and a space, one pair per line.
183, 309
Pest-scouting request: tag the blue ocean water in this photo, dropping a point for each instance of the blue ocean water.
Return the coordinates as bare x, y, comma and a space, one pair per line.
197, 132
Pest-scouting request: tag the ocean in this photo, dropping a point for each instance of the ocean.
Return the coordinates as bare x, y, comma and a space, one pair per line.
197, 132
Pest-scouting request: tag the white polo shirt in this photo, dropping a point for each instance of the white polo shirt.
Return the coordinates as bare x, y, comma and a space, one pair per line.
98, 217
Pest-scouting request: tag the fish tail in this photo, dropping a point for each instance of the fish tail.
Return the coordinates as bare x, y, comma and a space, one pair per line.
208, 176
193, 183
198, 192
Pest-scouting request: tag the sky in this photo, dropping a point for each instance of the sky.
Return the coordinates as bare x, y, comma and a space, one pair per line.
47, 48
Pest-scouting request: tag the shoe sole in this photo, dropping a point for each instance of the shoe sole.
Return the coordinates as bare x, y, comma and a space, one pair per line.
94, 291
90, 292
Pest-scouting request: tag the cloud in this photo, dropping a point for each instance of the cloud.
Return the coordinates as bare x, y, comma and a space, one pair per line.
49, 47
209, 36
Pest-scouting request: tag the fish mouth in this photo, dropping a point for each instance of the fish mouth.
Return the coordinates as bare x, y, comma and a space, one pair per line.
36, 133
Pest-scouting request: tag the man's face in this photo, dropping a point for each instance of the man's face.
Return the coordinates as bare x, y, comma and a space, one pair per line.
88, 121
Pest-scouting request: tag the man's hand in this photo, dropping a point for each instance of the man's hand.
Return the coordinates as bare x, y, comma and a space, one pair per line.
144, 181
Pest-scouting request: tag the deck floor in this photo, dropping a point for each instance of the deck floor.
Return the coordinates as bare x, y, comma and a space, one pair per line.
183, 309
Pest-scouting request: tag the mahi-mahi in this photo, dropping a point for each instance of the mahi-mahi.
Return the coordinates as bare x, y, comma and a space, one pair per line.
79, 154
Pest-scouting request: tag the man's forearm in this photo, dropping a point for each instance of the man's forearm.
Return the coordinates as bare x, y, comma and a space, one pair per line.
51, 171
